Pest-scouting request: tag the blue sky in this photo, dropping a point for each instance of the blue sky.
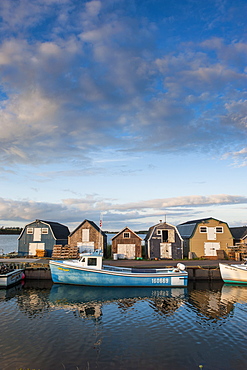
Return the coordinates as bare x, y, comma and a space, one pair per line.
133, 110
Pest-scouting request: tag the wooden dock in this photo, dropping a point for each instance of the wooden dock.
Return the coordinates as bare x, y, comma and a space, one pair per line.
38, 268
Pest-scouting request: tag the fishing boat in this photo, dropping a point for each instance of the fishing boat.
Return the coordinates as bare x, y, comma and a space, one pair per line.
10, 276
236, 274
89, 270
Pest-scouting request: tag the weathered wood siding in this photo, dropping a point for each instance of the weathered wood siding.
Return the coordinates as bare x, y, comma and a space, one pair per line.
133, 239
95, 236
173, 238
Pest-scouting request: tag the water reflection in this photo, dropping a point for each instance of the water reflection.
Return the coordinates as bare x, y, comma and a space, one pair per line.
210, 301
89, 300
206, 301
234, 294
10, 292
123, 328
34, 300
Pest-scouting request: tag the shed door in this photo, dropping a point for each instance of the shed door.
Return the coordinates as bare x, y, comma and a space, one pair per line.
210, 249
127, 249
85, 235
165, 250
37, 234
34, 246
211, 233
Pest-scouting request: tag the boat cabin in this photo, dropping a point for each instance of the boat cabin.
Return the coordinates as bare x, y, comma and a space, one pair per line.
91, 260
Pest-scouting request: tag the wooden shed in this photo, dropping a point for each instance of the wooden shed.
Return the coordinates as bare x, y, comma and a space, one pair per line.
88, 237
163, 241
239, 235
207, 237
127, 244
39, 237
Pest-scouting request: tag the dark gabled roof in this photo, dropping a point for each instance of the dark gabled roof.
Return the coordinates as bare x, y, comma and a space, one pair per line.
199, 220
150, 230
160, 224
126, 228
187, 229
59, 231
92, 224
239, 232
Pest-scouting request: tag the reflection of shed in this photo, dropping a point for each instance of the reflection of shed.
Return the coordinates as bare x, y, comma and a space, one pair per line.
163, 241
205, 237
39, 238
127, 244
88, 237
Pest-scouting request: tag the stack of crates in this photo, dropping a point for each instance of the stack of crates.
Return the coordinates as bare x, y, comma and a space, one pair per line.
65, 252
57, 249
74, 252
40, 252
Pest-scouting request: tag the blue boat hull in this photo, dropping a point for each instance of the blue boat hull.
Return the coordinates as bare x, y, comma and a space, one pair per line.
66, 274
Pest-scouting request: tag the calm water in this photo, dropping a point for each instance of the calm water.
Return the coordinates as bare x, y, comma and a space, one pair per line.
8, 243
45, 326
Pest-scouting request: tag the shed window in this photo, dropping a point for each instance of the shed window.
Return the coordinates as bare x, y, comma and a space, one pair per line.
44, 230
92, 262
165, 236
159, 232
203, 229
126, 235
219, 229
85, 235
29, 230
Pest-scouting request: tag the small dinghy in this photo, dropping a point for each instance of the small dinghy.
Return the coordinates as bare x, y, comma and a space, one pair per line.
9, 276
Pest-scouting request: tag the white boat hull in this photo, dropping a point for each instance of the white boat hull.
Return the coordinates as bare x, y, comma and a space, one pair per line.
11, 278
236, 274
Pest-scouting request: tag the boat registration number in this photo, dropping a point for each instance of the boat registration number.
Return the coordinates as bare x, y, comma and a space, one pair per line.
160, 281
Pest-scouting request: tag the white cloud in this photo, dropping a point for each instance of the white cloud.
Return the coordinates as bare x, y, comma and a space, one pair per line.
96, 77
73, 211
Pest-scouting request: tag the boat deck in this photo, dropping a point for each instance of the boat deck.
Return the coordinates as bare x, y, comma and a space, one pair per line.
134, 270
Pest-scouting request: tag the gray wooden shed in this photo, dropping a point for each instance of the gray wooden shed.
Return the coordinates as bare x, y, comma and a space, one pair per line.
163, 241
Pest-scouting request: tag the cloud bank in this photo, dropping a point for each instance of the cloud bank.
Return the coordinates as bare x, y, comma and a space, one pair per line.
73, 211
77, 78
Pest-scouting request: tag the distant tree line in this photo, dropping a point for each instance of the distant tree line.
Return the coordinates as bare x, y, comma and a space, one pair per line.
10, 230
137, 232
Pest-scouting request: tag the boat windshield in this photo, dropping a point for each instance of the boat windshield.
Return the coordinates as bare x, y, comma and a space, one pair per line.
92, 261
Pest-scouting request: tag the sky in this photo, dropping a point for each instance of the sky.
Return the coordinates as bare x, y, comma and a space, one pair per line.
129, 111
